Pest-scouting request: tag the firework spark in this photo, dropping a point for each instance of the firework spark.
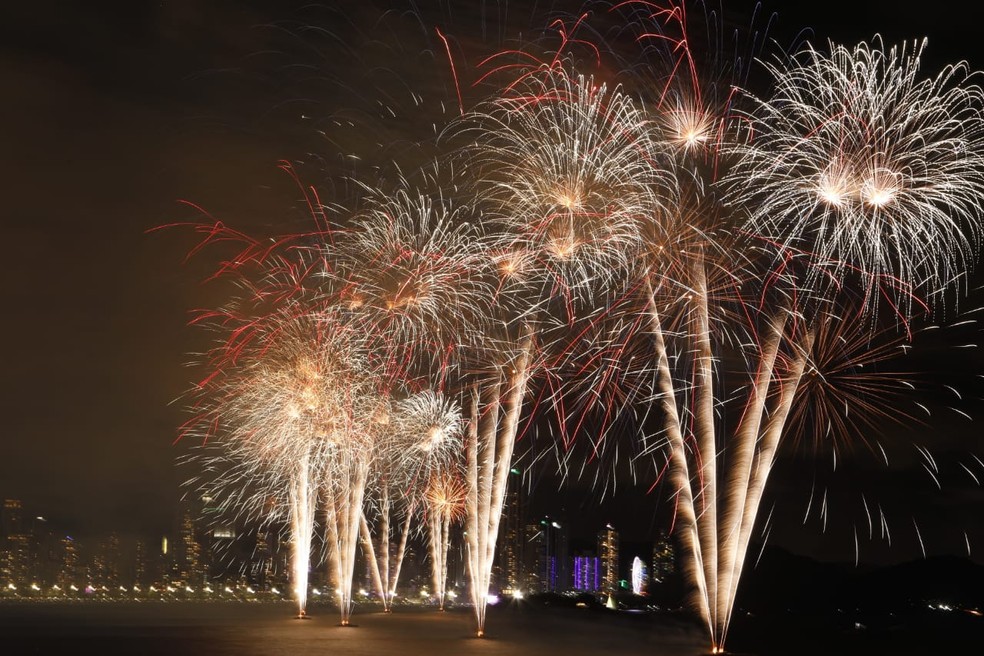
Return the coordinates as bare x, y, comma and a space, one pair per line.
445, 502
873, 170
566, 172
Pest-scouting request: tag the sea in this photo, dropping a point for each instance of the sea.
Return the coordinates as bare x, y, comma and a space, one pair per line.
271, 629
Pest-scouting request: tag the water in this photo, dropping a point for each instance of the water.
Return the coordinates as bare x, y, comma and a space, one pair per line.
243, 629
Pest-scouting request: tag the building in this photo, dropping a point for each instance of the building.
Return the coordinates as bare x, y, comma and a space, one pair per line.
70, 570
12, 518
548, 569
664, 559
262, 569
608, 559
107, 563
639, 577
510, 571
587, 573
191, 565
17, 553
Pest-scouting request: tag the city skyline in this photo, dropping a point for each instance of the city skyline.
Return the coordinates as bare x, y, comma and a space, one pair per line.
203, 551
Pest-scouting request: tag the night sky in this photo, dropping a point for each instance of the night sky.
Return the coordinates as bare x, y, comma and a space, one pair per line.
114, 112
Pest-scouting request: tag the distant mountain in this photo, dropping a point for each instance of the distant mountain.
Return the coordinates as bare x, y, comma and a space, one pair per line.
783, 581
929, 606
950, 580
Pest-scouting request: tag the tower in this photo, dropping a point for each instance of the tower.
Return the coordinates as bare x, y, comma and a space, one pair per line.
70, 570
547, 544
510, 569
608, 559
190, 568
664, 559
11, 522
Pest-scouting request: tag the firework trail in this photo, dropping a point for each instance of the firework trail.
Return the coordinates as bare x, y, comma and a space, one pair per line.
280, 416
718, 499
495, 406
432, 462
445, 502
378, 509
561, 170
423, 436
344, 491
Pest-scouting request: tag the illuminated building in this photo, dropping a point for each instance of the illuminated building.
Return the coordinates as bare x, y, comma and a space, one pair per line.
262, 567
664, 559
191, 569
17, 559
11, 521
14, 544
587, 573
608, 559
547, 548
106, 562
510, 567
140, 564
70, 568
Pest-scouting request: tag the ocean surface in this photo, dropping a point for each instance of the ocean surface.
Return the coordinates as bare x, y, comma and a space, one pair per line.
516, 629
269, 629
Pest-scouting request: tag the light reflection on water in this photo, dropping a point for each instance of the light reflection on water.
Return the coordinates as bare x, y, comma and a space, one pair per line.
232, 629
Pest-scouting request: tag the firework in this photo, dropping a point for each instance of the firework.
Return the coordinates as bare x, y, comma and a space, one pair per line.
850, 390
431, 461
494, 405
872, 170
430, 425
406, 270
421, 436
564, 168
381, 492
561, 166
295, 410
445, 502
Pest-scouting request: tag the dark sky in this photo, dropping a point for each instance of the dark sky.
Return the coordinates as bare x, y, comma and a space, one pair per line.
113, 112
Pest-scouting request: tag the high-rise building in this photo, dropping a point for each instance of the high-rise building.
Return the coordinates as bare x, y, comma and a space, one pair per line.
530, 564
664, 559
608, 559
190, 566
17, 559
13, 552
141, 565
165, 560
44, 553
28, 555
547, 550
70, 571
510, 572
262, 566
223, 556
639, 576
587, 573
106, 563
11, 521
